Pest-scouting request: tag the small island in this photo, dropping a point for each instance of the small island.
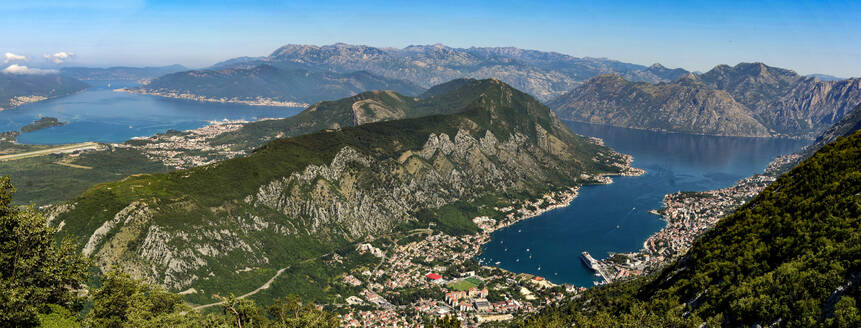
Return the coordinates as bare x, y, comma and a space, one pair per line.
42, 123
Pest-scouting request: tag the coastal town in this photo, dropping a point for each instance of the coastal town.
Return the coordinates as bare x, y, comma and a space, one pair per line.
429, 274
688, 215
187, 149
256, 101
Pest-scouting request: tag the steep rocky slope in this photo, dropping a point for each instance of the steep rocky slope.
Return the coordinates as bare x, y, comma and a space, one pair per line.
300, 197
684, 106
781, 101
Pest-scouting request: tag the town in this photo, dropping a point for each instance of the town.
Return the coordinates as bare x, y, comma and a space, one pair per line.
427, 275
688, 216
257, 101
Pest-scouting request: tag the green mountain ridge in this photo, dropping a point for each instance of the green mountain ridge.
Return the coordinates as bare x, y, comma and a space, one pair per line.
16, 89
749, 99
280, 84
119, 72
297, 198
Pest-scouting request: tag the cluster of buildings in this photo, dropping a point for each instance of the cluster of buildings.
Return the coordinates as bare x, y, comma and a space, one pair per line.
20, 100
426, 260
688, 216
258, 101
188, 149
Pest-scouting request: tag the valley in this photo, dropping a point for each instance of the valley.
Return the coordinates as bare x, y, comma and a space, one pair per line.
481, 164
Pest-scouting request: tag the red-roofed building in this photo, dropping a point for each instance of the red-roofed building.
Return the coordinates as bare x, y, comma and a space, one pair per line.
433, 276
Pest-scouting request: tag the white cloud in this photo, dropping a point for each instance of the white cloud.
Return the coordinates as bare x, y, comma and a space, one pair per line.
13, 57
60, 57
21, 69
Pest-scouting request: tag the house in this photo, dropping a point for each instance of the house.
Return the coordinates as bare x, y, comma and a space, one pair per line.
482, 305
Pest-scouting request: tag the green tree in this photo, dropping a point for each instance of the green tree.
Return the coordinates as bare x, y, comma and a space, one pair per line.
290, 313
242, 313
846, 313
447, 322
124, 301
35, 270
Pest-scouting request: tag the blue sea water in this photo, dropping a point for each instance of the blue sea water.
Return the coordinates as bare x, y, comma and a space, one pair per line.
103, 115
615, 218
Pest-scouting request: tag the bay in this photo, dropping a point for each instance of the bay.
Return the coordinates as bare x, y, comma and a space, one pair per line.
103, 115
615, 217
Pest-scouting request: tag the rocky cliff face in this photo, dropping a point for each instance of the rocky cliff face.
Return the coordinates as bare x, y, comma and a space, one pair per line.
680, 107
301, 197
749, 99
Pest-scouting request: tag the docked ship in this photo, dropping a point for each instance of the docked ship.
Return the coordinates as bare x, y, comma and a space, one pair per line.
590, 262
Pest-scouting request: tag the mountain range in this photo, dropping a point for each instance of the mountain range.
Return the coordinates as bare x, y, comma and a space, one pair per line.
297, 198
749, 99
18, 89
279, 84
119, 72
544, 75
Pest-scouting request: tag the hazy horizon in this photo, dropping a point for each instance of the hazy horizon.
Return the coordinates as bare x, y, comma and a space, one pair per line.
807, 37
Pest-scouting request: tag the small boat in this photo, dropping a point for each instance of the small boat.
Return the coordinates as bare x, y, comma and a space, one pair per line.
497, 262
527, 249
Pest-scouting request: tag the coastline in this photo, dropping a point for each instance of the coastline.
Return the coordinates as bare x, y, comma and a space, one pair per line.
553, 200
259, 101
692, 133
688, 215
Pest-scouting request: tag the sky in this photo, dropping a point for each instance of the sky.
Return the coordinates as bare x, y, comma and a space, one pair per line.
808, 37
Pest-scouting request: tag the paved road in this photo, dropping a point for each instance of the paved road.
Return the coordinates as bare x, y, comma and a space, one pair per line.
54, 150
264, 286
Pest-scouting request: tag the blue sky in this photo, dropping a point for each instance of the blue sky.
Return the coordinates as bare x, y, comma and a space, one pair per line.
809, 37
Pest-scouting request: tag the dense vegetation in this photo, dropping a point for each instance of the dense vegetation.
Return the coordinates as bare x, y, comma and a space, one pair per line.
224, 206
42, 284
42, 123
791, 257
35, 270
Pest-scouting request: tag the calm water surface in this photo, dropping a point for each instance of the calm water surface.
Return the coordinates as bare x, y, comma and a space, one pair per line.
615, 218
100, 114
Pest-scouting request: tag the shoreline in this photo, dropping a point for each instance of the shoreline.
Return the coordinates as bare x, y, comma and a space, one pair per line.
259, 101
687, 216
557, 200
692, 133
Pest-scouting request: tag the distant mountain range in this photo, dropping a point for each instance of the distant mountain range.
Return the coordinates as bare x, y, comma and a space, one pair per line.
120, 72
297, 198
274, 83
19, 89
544, 75
749, 99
